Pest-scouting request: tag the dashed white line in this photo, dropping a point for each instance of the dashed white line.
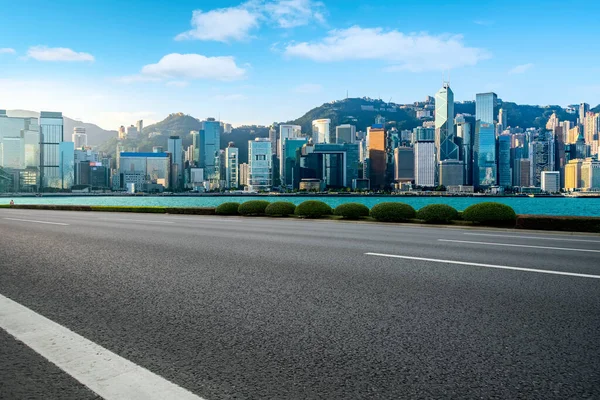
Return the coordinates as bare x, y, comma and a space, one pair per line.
136, 220
435, 260
519, 245
104, 372
37, 222
534, 237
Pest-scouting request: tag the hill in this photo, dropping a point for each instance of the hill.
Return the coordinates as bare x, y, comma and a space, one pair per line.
96, 135
174, 124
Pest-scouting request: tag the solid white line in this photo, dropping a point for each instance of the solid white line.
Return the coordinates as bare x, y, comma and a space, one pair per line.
520, 245
136, 220
37, 222
104, 372
533, 237
541, 271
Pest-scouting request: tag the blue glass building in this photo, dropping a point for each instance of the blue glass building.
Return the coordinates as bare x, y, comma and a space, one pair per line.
484, 155
504, 170
210, 143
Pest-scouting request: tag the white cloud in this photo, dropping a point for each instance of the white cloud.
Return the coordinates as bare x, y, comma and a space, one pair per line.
230, 97
521, 69
43, 53
194, 66
222, 24
412, 52
137, 78
178, 84
293, 13
236, 23
309, 88
7, 50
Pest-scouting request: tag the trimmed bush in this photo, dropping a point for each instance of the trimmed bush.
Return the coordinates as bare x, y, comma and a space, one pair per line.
253, 207
490, 213
437, 214
280, 209
552, 223
392, 212
230, 208
313, 209
351, 210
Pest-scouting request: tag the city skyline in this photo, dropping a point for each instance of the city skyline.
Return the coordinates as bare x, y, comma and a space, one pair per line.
264, 61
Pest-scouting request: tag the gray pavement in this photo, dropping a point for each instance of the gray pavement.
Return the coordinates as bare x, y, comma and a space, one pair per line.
264, 308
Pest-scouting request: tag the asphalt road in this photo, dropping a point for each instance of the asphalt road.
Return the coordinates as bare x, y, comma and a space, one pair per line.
252, 308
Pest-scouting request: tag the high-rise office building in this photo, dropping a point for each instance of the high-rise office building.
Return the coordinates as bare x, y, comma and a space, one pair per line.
446, 148
139, 126
335, 165
285, 132
175, 148
132, 132
345, 134
291, 162
260, 160
195, 158
485, 106
525, 172
583, 110
566, 127
66, 166
422, 134
550, 181
140, 169
404, 164
503, 118
122, 132
322, 131
573, 174
232, 157
541, 154
590, 174
451, 173
79, 137
51, 135
244, 174
210, 143
376, 156
553, 122
273, 137
484, 155
464, 136
425, 164
504, 165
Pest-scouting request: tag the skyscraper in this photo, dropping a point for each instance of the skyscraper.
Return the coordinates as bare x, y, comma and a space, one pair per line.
139, 125
503, 118
553, 122
446, 149
273, 139
322, 131
425, 164
79, 137
583, 110
464, 135
550, 181
175, 147
484, 146
210, 142
377, 161
345, 134
541, 154
404, 164
485, 105
260, 165
285, 132
51, 135
504, 170
66, 167
231, 168
195, 159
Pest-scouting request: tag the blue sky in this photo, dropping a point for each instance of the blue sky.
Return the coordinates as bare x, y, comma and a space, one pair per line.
113, 62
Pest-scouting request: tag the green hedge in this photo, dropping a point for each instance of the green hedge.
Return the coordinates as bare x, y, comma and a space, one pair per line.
229, 208
191, 210
351, 210
555, 223
437, 214
392, 212
130, 209
253, 207
490, 213
313, 209
280, 209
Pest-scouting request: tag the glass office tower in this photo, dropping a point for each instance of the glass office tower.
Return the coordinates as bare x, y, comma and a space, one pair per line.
484, 155
445, 147
51, 135
210, 143
504, 170
485, 104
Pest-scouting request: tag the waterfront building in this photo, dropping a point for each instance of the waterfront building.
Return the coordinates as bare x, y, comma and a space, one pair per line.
273, 139
66, 165
464, 136
285, 132
541, 154
79, 137
291, 162
51, 135
404, 164
345, 134
525, 172
322, 131
195, 157
260, 170
139, 125
590, 174
573, 174
451, 173
550, 181
504, 164
231, 169
141, 169
376, 157
244, 174
175, 148
484, 155
425, 164
210, 143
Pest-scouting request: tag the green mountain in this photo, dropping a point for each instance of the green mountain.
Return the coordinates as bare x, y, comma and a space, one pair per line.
174, 124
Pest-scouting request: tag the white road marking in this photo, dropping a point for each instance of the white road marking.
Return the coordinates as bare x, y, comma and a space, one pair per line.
136, 220
533, 237
520, 245
107, 374
37, 222
541, 271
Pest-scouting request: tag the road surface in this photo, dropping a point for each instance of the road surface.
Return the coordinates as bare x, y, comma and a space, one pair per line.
253, 308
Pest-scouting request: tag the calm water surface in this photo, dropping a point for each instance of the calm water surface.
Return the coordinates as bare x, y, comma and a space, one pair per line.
522, 205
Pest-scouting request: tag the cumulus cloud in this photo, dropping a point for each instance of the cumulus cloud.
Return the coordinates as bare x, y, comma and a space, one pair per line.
44, 53
7, 50
236, 23
178, 84
412, 52
221, 25
521, 69
309, 88
194, 66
